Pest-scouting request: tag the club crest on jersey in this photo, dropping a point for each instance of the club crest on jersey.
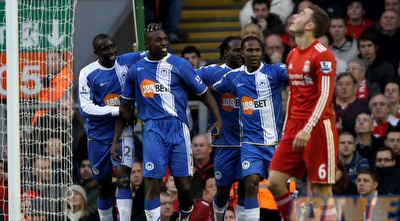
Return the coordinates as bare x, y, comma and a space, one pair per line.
164, 71
306, 67
326, 67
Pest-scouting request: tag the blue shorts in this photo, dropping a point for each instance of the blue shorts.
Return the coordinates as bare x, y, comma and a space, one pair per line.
227, 165
256, 159
100, 159
166, 143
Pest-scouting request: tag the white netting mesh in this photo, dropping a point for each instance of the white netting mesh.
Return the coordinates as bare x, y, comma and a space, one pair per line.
45, 30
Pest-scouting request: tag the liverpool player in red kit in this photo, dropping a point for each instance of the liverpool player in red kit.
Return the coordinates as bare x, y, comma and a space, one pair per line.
310, 139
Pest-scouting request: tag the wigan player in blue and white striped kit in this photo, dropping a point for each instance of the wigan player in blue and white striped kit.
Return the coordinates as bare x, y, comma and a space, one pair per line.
258, 88
227, 166
100, 85
159, 84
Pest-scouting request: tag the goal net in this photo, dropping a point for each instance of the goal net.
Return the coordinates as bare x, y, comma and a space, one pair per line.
45, 30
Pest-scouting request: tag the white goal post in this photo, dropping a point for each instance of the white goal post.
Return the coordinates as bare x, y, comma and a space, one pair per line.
36, 40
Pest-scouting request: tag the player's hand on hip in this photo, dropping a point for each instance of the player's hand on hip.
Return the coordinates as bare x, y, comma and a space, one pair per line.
115, 152
216, 130
300, 141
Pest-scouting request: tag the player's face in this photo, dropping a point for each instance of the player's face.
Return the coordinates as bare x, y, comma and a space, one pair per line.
337, 29
393, 141
393, 5
363, 124
392, 92
346, 145
345, 87
367, 49
252, 53
157, 44
106, 52
234, 53
365, 184
389, 21
355, 10
297, 26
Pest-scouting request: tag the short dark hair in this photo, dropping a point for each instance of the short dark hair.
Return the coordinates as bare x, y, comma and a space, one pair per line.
368, 34
386, 148
267, 2
391, 129
370, 172
95, 42
190, 49
224, 46
321, 20
250, 38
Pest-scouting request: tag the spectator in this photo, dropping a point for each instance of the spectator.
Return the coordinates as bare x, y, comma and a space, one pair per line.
203, 208
388, 36
302, 4
366, 88
379, 70
267, 21
77, 207
230, 214
392, 91
275, 50
392, 5
392, 140
57, 83
343, 184
172, 191
26, 204
367, 182
388, 176
251, 30
356, 22
203, 164
380, 109
343, 46
167, 210
346, 104
351, 159
366, 142
88, 183
288, 38
193, 56
50, 197
283, 8
137, 186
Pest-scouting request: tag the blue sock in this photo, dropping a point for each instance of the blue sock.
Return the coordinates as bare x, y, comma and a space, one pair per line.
152, 204
124, 194
250, 203
104, 204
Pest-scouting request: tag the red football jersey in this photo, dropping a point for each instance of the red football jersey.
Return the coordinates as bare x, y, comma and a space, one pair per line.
311, 74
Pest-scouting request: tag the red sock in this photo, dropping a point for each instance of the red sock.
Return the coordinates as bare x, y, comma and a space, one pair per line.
283, 203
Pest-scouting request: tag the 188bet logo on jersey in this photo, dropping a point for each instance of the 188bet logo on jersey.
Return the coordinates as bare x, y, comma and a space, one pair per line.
228, 102
249, 104
149, 88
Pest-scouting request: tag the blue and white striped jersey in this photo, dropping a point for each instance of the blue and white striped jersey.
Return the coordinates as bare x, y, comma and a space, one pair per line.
260, 99
99, 91
227, 104
161, 88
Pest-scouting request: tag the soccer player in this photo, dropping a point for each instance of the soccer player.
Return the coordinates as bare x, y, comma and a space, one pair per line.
100, 85
257, 87
160, 83
310, 140
227, 166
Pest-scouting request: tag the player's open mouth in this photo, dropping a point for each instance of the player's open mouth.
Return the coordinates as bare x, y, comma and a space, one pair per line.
165, 50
